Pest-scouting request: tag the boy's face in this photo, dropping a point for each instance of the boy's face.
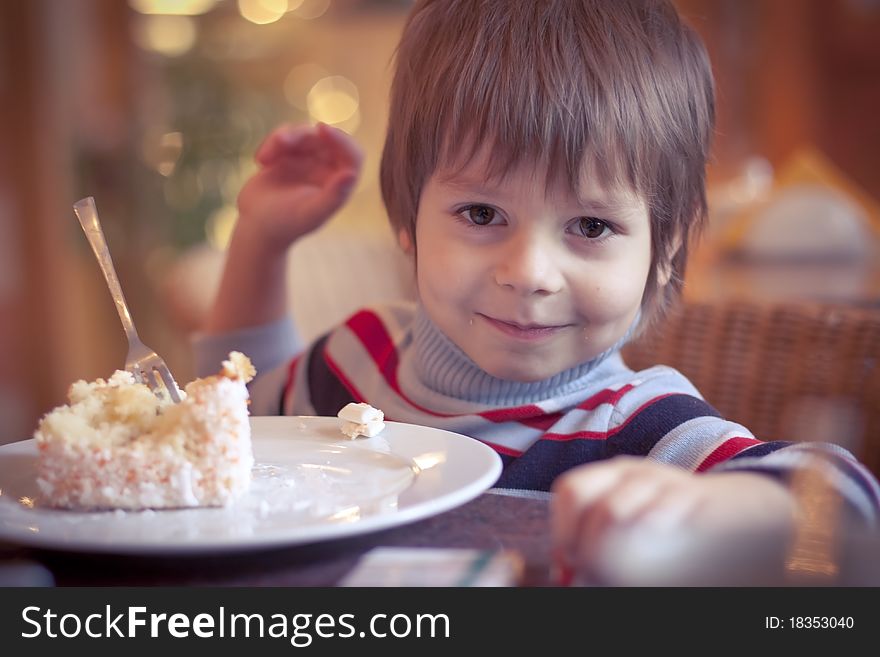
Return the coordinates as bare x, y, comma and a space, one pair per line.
530, 281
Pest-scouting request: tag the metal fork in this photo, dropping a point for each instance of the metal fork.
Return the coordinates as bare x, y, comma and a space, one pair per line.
146, 365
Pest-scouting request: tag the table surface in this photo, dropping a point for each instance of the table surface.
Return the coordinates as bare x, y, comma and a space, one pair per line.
491, 521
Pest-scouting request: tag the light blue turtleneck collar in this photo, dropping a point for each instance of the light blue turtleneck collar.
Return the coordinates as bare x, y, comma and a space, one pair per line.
444, 368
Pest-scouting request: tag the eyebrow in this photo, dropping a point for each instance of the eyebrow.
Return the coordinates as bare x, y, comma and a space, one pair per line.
467, 184
613, 203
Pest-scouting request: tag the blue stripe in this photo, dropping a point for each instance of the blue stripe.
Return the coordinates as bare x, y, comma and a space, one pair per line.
645, 429
326, 391
545, 460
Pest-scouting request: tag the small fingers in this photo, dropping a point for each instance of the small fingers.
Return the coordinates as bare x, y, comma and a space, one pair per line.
613, 512
326, 145
320, 205
346, 148
343, 182
281, 140
668, 510
593, 502
631, 498
575, 492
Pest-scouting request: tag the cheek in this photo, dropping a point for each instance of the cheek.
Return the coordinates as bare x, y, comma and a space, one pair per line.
617, 290
429, 283
445, 268
611, 298
440, 271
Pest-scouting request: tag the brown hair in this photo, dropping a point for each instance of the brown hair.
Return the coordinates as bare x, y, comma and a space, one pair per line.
622, 86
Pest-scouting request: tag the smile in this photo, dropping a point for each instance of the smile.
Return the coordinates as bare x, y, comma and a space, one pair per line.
523, 332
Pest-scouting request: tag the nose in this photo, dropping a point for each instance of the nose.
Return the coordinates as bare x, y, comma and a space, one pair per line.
527, 265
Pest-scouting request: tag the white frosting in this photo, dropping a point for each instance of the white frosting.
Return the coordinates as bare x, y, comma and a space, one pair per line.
368, 429
360, 413
361, 420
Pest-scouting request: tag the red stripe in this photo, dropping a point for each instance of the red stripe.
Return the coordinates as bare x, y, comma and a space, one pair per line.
544, 422
291, 374
729, 448
501, 449
529, 415
370, 330
514, 414
602, 435
607, 396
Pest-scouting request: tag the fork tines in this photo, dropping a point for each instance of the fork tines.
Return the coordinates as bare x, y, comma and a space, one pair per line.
170, 383
158, 378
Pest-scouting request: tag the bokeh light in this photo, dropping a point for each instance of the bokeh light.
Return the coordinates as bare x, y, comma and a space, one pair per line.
162, 151
221, 223
172, 7
262, 12
333, 99
310, 9
171, 36
299, 82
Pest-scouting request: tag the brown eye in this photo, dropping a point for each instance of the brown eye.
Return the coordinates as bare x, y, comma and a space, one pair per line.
481, 215
591, 227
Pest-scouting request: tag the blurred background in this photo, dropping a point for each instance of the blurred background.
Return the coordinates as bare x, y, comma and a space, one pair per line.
155, 107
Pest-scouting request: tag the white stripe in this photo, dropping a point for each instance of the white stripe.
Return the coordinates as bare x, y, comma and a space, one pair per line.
521, 492
577, 420
688, 444
266, 391
512, 435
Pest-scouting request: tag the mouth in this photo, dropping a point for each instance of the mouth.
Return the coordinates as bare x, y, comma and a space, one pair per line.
523, 331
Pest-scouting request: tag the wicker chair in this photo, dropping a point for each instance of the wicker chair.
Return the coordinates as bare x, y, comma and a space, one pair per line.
786, 371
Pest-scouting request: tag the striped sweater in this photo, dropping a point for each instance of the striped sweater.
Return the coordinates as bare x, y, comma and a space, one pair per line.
396, 359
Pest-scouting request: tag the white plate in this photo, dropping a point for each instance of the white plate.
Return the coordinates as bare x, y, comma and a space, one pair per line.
310, 484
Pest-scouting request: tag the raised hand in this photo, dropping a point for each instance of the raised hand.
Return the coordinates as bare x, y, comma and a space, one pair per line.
306, 173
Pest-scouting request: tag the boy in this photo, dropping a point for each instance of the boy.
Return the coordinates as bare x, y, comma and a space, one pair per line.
544, 166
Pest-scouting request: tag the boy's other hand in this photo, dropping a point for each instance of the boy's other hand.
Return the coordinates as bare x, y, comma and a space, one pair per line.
630, 521
306, 173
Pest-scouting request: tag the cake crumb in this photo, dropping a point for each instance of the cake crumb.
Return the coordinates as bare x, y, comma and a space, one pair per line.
361, 419
238, 366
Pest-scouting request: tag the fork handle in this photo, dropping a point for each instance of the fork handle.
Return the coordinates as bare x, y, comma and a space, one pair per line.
87, 214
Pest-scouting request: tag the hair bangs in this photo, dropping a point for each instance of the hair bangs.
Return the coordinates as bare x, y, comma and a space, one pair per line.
520, 94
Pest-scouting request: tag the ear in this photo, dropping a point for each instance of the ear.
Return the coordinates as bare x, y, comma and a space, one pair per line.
405, 241
664, 269
664, 273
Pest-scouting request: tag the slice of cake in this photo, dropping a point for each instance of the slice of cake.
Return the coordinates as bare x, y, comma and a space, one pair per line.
116, 445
